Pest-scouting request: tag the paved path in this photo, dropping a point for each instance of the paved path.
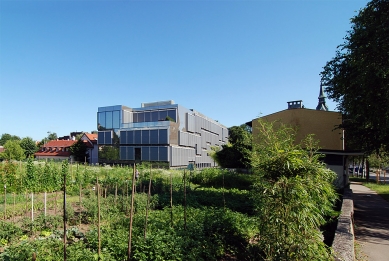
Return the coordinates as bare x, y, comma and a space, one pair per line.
371, 217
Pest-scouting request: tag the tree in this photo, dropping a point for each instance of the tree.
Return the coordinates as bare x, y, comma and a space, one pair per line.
358, 79
79, 136
5, 137
293, 197
52, 136
12, 151
29, 146
79, 151
235, 154
379, 160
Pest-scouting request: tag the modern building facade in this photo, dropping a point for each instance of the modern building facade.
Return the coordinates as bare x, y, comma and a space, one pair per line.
162, 132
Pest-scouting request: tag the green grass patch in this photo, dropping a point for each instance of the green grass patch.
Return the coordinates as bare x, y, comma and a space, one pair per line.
381, 189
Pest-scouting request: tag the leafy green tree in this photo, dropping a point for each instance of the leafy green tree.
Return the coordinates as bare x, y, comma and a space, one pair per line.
79, 151
236, 153
379, 160
8, 175
109, 153
6, 137
358, 79
293, 197
12, 151
52, 136
29, 146
79, 136
30, 182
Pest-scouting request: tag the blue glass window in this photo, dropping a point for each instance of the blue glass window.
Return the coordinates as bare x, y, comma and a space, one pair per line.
123, 153
135, 117
147, 116
172, 114
145, 137
104, 137
141, 117
101, 121
108, 119
138, 136
108, 137
116, 120
153, 136
130, 137
163, 153
145, 153
130, 153
123, 137
154, 153
100, 137
162, 115
163, 139
154, 116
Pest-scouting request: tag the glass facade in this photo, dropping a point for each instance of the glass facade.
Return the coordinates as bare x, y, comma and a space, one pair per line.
109, 118
158, 132
144, 153
144, 137
154, 115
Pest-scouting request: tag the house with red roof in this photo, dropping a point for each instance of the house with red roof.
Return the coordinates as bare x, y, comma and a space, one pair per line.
56, 150
90, 141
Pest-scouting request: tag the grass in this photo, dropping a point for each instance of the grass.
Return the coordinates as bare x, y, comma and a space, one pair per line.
359, 255
381, 189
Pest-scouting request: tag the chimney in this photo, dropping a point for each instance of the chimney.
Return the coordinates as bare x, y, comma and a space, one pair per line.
295, 104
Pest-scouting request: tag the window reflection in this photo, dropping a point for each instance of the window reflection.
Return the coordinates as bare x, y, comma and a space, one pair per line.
108, 119
101, 121
116, 120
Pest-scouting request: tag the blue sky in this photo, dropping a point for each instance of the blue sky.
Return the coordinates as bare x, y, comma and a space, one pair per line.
230, 60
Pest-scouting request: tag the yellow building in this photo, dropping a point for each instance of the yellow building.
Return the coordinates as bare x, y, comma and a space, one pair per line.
322, 124
307, 121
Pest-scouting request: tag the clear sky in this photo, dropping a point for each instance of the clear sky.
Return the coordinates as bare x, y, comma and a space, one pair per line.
230, 60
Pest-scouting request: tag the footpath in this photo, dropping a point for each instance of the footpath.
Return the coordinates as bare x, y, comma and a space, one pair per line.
371, 218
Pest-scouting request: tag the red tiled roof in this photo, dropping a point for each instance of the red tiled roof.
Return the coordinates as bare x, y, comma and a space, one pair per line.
53, 153
54, 144
59, 143
91, 137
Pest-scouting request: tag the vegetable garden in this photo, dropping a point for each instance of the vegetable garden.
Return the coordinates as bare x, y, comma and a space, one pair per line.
177, 214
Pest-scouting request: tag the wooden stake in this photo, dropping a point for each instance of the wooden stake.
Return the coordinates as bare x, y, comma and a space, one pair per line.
32, 206
26, 213
45, 200
5, 202
131, 215
148, 203
14, 208
79, 204
171, 199
64, 216
184, 200
55, 203
98, 219
126, 196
